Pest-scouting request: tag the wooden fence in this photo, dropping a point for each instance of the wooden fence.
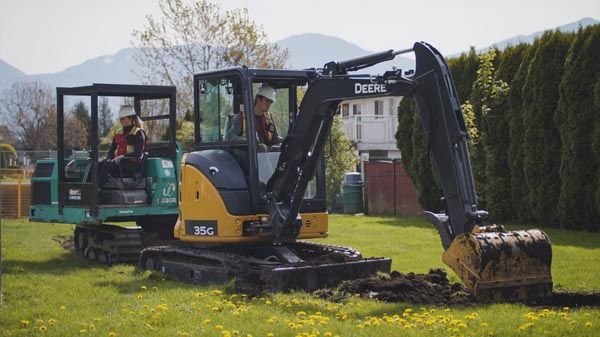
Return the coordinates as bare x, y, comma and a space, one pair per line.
15, 198
389, 190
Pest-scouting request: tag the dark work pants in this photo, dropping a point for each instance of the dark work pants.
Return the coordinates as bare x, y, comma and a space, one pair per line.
125, 168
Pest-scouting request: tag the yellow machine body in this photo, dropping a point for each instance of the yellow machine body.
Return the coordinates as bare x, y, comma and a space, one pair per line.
500, 265
200, 201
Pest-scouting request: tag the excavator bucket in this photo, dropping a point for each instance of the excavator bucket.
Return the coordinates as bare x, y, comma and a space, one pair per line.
503, 266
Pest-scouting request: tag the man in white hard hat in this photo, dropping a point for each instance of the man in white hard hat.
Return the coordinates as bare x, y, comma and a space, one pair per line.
127, 148
266, 130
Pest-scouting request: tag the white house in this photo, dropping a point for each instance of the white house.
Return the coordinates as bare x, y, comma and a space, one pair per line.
371, 124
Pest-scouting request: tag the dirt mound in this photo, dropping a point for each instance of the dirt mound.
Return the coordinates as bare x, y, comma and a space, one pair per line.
432, 288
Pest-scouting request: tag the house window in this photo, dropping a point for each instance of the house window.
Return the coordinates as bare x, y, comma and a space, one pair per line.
345, 110
355, 109
378, 109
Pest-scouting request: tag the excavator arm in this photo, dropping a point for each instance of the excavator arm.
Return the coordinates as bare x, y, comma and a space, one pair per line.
491, 262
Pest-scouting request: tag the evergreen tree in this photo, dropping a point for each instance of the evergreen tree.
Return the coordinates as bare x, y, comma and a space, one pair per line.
104, 117
82, 115
576, 118
416, 157
519, 192
464, 72
510, 61
596, 137
541, 143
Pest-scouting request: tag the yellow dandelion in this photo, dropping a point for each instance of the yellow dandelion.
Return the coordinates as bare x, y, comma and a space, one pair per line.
268, 302
218, 327
206, 321
301, 313
327, 334
144, 288
51, 322
485, 324
155, 288
249, 335
43, 328
270, 334
588, 324
24, 323
140, 297
291, 325
112, 334
217, 292
235, 333
83, 331
565, 308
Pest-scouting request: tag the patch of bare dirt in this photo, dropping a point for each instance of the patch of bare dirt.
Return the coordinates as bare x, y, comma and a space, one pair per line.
432, 288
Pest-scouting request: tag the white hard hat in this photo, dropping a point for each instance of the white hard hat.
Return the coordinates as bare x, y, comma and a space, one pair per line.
126, 111
267, 92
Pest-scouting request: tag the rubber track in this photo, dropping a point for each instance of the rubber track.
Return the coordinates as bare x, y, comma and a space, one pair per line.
109, 245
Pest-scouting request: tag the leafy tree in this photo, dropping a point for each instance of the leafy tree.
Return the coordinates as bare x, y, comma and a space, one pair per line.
341, 158
489, 154
542, 145
28, 106
194, 37
576, 116
6, 152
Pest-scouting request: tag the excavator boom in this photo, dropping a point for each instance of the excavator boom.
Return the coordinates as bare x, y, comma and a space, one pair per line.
492, 263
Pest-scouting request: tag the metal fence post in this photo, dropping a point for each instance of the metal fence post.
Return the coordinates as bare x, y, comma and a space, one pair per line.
19, 180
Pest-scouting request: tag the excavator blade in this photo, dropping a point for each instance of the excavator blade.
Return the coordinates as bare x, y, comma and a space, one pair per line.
497, 266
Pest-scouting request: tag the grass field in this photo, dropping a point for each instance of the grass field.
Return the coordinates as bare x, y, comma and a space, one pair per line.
48, 291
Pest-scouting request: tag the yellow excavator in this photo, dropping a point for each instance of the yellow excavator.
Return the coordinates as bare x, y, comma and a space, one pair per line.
244, 210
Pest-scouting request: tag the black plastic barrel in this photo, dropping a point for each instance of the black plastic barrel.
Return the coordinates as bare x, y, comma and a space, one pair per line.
352, 193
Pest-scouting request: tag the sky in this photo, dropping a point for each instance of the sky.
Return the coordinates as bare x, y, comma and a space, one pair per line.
42, 36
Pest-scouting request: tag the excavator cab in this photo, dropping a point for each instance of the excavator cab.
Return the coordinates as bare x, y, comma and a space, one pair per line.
229, 154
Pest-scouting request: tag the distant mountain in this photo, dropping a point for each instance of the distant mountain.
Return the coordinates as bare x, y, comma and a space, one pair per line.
116, 68
313, 50
8, 73
305, 51
568, 28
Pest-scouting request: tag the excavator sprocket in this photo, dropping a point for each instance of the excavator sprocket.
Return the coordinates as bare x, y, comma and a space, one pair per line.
503, 266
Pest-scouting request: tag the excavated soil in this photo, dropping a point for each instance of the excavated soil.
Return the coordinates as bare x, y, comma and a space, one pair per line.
432, 288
